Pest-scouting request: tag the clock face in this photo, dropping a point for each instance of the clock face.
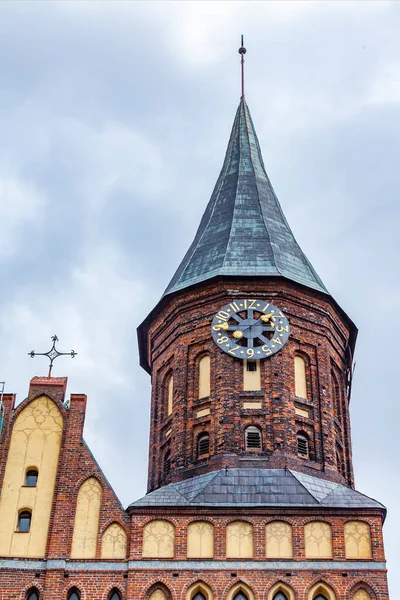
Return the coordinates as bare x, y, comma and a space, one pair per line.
250, 329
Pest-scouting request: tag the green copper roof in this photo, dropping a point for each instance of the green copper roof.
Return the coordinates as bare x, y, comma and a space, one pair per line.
243, 231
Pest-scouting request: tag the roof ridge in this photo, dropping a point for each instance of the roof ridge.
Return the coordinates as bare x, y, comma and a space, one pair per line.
294, 474
207, 484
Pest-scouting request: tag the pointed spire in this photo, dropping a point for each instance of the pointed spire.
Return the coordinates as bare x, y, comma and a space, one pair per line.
243, 231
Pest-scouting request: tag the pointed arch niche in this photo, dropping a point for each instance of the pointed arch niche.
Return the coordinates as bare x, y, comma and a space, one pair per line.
114, 542
158, 591
87, 514
240, 591
320, 591
300, 376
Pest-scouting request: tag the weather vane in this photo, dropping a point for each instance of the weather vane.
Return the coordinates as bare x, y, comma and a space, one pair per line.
52, 354
242, 51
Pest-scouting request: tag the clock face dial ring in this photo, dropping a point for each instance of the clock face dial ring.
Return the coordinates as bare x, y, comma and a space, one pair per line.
250, 329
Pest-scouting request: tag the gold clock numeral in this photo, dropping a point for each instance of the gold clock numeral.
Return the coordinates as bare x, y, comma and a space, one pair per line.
223, 326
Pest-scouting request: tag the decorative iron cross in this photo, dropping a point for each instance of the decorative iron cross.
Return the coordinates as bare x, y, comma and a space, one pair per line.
52, 354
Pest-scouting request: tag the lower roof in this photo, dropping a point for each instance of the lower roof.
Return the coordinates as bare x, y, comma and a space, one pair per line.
256, 487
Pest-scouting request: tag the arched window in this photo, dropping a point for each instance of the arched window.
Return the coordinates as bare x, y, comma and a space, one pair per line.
169, 387
199, 596
280, 596
204, 376
32, 594
302, 445
24, 521
279, 542
74, 594
167, 462
300, 378
115, 594
203, 444
253, 438
158, 594
320, 597
31, 478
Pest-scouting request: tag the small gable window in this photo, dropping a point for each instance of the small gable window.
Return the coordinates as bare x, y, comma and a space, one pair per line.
32, 594
31, 478
302, 445
203, 444
253, 438
74, 594
24, 521
115, 594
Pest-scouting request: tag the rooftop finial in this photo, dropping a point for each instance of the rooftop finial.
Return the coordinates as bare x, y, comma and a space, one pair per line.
242, 52
52, 354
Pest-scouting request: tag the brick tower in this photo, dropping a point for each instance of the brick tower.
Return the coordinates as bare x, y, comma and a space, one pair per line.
250, 489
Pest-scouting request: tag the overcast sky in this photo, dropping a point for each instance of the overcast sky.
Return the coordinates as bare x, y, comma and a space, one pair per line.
114, 119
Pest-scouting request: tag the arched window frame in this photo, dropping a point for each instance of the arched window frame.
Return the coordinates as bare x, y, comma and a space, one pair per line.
23, 515
336, 396
367, 527
240, 587
323, 590
281, 588
199, 588
190, 528
203, 445
31, 477
73, 594
308, 528
32, 594
303, 445
251, 442
203, 376
362, 587
158, 587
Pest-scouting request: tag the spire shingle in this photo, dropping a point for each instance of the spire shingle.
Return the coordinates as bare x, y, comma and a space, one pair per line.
243, 231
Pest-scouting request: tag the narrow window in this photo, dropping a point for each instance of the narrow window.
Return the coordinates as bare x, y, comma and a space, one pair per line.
24, 521
302, 445
199, 596
74, 594
253, 438
300, 379
204, 376
280, 596
170, 394
203, 444
115, 594
32, 594
167, 462
31, 478
251, 375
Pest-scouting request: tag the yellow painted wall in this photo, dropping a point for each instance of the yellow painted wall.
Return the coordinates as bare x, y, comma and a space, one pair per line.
251, 379
318, 539
158, 540
170, 392
279, 540
239, 540
158, 594
35, 442
200, 543
86, 525
113, 542
300, 377
357, 538
204, 376
361, 595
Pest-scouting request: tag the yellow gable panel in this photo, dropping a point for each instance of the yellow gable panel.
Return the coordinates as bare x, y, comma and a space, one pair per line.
113, 542
86, 525
35, 443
